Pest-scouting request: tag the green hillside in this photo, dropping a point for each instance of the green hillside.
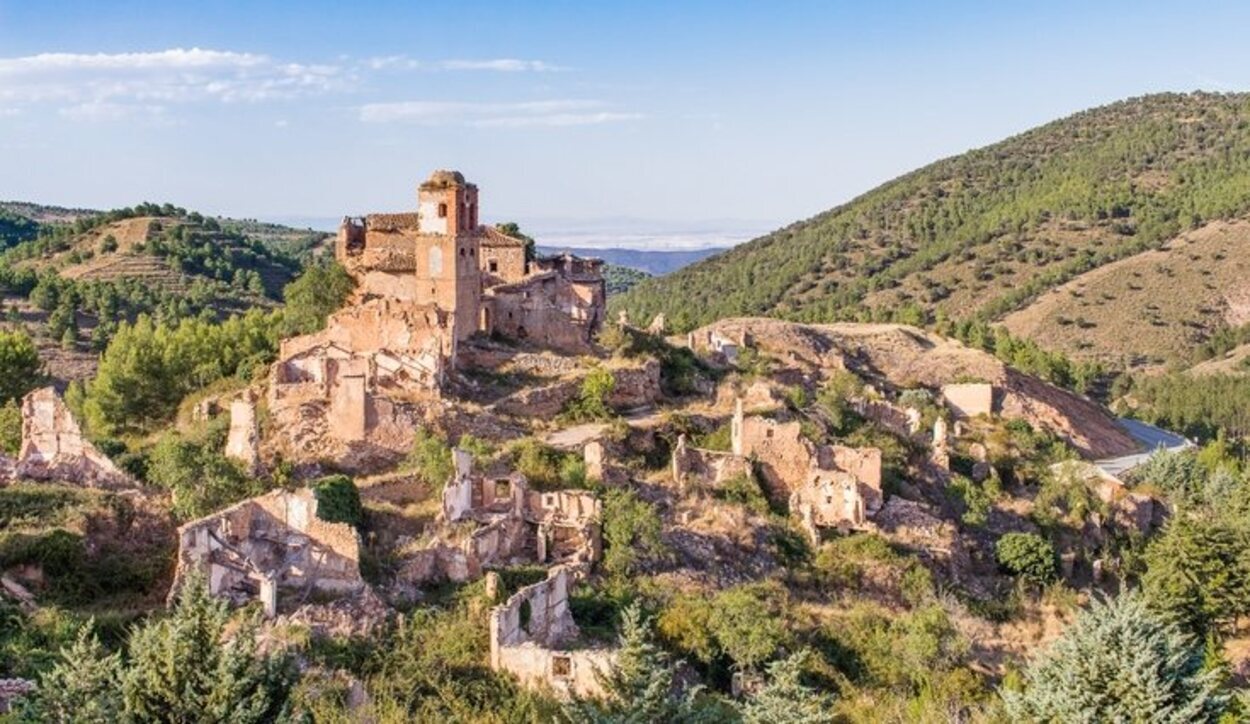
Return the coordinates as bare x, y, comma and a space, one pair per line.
73, 281
984, 233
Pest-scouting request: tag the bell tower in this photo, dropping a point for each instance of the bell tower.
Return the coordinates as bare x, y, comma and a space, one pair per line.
447, 249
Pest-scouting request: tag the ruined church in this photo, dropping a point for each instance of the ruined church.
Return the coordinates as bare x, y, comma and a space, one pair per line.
427, 282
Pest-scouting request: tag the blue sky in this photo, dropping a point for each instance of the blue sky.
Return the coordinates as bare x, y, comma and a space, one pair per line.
653, 117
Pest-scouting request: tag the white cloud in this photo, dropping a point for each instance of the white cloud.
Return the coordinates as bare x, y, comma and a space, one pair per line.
103, 85
499, 65
496, 115
503, 65
557, 119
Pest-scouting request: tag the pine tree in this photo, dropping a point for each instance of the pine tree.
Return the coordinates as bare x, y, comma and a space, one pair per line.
1119, 662
83, 686
640, 688
1198, 574
786, 699
185, 669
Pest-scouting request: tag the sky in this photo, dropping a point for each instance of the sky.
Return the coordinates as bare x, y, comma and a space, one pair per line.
658, 123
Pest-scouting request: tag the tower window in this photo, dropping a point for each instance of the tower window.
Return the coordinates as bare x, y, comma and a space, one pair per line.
442, 211
462, 251
494, 265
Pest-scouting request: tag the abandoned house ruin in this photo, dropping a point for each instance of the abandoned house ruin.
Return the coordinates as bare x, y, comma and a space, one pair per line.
533, 636
268, 544
513, 525
827, 485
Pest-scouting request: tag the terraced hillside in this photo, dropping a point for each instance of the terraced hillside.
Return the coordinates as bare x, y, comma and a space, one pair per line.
986, 233
72, 278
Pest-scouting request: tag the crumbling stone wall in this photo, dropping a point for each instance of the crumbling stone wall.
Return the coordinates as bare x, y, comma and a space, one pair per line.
502, 258
709, 467
54, 447
548, 309
243, 439
273, 541
902, 421
969, 399
530, 637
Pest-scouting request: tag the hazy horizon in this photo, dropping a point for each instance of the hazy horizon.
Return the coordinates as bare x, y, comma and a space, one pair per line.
593, 114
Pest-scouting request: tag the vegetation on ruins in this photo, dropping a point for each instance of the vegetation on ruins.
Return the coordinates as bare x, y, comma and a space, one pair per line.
199, 477
338, 500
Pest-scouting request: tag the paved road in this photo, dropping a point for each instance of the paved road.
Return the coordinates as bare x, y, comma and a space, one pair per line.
1151, 438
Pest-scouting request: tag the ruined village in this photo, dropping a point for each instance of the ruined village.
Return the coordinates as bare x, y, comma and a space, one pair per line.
458, 333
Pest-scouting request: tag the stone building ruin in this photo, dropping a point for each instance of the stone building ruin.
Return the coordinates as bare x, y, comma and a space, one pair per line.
271, 543
827, 485
532, 636
511, 524
54, 447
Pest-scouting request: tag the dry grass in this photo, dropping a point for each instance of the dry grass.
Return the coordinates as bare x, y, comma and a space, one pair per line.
1151, 309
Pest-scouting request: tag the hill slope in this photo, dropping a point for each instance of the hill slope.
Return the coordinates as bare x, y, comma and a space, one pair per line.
985, 233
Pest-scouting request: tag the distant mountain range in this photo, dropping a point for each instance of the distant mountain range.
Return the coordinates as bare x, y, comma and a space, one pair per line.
655, 263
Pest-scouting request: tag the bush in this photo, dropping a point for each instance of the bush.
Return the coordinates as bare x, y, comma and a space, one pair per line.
431, 458
591, 402
744, 490
10, 428
632, 533
338, 500
1028, 556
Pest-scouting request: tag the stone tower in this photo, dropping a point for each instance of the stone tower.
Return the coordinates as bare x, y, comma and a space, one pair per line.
447, 272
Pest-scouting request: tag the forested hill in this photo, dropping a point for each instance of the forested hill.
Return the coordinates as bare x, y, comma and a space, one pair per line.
987, 232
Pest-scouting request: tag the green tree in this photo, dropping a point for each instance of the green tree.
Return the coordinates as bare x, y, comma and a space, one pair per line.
198, 475
1027, 555
10, 428
1198, 573
338, 500
83, 687
641, 687
786, 699
632, 531
320, 291
192, 667
1119, 662
748, 624
20, 368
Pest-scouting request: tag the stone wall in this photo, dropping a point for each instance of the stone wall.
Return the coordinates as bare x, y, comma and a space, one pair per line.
243, 439
273, 541
54, 447
708, 467
529, 636
969, 399
902, 421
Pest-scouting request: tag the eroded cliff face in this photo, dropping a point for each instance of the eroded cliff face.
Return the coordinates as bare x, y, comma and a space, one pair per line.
899, 356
